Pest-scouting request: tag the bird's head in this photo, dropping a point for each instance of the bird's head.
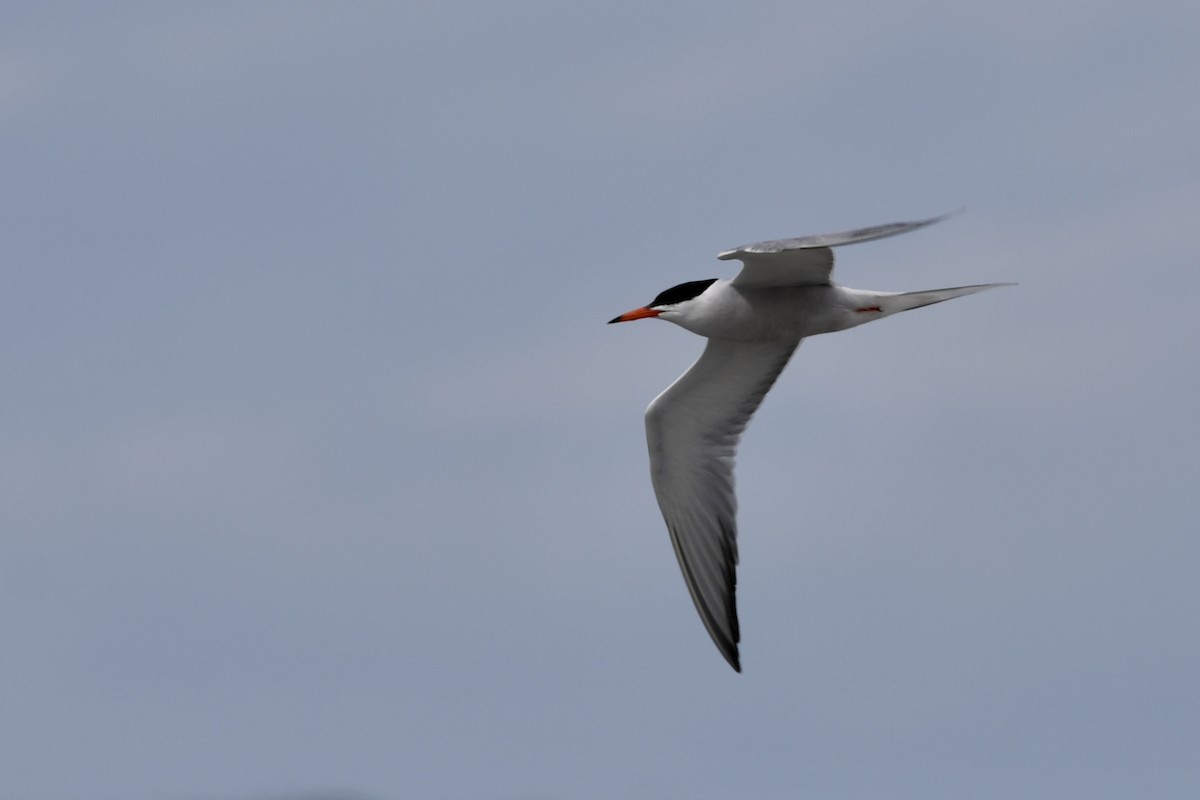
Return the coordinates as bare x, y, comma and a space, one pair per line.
673, 301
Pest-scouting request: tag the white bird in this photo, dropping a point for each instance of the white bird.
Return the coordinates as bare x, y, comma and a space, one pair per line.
753, 324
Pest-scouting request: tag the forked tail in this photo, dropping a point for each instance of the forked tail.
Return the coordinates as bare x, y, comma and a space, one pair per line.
904, 301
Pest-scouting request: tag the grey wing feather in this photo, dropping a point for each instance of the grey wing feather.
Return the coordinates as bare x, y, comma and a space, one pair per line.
692, 430
805, 260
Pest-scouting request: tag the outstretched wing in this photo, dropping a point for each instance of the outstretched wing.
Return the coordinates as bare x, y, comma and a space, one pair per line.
692, 430
805, 260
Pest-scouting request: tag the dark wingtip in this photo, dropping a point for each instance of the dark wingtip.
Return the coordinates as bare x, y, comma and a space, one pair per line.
615, 319
731, 654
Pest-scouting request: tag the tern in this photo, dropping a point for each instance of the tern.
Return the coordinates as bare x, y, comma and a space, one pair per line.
753, 324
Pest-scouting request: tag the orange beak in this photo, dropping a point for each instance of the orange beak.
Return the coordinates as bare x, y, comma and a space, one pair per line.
637, 313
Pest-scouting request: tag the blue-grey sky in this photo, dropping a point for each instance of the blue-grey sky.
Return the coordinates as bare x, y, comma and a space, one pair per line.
321, 474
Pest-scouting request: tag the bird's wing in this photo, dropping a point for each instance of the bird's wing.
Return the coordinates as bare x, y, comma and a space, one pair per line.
805, 260
692, 430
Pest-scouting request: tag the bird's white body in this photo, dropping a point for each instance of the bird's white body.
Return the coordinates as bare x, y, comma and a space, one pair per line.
752, 314
753, 324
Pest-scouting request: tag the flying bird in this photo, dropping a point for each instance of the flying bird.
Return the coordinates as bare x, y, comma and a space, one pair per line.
753, 324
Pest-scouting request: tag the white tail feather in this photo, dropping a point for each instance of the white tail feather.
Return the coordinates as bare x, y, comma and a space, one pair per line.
904, 301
